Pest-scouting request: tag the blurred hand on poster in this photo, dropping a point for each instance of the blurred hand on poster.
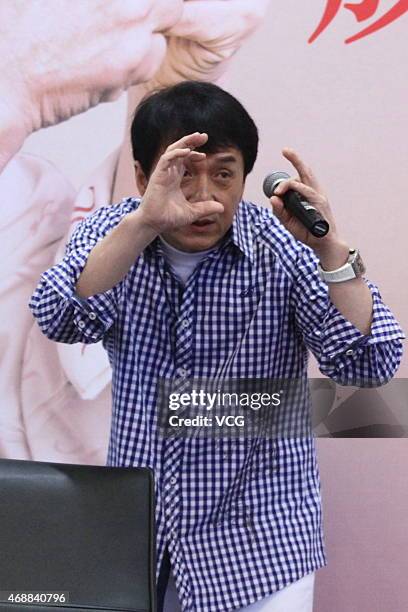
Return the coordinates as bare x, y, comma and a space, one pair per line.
60, 58
206, 36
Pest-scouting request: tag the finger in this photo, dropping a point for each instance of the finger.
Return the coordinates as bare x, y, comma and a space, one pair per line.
279, 209
197, 139
308, 192
305, 172
277, 205
228, 22
176, 157
197, 156
170, 156
283, 181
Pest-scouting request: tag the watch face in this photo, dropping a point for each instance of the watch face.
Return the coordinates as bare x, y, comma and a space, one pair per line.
359, 266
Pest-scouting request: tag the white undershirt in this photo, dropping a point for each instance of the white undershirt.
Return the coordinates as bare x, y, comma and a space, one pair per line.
181, 262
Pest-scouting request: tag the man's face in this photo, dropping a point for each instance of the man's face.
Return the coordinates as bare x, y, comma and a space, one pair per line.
220, 177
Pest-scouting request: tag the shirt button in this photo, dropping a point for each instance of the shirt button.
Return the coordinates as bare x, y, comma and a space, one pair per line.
350, 352
185, 323
92, 316
183, 372
317, 332
81, 324
173, 480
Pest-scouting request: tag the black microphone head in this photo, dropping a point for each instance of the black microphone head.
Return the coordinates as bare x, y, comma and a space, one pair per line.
272, 181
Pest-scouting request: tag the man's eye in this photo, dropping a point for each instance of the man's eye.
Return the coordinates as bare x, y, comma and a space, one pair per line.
224, 175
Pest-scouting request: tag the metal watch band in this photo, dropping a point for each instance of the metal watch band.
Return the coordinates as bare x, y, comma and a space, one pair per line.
353, 268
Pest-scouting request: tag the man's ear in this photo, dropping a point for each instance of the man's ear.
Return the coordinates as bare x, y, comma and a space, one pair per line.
141, 180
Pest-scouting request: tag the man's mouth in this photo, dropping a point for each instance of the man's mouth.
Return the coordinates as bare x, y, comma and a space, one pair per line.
202, 222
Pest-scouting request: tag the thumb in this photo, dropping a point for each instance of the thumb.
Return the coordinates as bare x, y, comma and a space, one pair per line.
277, 206
207, 208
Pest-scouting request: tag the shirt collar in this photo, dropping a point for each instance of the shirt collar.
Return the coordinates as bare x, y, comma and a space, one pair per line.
242, 232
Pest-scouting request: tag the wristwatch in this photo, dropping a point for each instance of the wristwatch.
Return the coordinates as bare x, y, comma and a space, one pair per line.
353, 268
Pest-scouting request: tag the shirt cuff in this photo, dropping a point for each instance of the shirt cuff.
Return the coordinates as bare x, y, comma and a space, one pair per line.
94, 315
340, 338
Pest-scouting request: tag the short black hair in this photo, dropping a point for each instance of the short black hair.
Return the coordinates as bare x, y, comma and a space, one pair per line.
170, 113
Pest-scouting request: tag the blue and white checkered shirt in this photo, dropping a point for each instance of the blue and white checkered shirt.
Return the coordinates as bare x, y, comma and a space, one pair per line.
241, 517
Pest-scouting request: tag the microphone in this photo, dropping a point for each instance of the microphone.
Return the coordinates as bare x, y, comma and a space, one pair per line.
301, 209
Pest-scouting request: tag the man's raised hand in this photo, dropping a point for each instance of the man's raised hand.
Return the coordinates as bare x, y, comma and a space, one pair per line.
164, 205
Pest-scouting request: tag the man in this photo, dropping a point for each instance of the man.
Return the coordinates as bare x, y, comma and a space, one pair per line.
192, 281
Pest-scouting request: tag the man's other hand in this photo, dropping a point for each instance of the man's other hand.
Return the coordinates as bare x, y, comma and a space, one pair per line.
307, 185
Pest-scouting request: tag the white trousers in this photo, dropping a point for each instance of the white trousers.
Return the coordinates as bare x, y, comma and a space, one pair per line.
297, 597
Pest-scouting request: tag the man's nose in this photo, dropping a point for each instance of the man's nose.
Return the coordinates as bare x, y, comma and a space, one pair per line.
201, 190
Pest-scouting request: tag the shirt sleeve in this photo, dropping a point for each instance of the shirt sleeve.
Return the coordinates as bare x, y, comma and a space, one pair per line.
342, 351
61, 314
